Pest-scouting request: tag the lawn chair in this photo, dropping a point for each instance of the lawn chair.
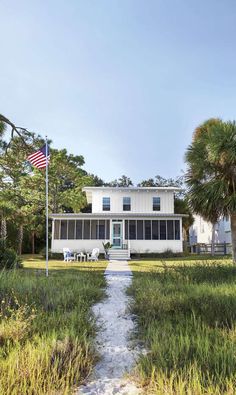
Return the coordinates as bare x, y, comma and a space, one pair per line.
94, 255
68, 256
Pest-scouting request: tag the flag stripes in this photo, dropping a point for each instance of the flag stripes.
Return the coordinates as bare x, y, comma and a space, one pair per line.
39, 159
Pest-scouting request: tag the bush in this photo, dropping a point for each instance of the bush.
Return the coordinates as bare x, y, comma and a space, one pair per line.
161, 255
9, 259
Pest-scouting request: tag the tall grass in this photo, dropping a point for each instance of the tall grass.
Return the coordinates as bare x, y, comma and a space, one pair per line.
187, 321
46, 329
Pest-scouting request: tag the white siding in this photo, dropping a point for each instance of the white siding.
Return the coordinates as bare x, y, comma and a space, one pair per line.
201, 231
149, 246
141, 201
136, 246
77, 245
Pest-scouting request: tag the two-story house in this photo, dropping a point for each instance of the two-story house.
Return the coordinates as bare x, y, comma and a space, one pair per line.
132, 219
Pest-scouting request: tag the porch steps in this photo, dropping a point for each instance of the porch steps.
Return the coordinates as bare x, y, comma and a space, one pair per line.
119, 255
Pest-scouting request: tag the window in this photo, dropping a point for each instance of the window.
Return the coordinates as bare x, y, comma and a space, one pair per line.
106, 204
170, 230
108, 229
139, 230
63, 229
177, 230
156, 203
101, 229
147, 230
57, 229
126, 203
132, 230
79, 228
155, 230
126, 230
87, 230
162, 230
71, 229
94, 229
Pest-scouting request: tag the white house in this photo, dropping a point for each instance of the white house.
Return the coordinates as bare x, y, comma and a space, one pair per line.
201, 231
132, 219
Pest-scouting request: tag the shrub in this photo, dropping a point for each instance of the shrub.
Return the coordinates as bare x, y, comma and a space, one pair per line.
15, 321
162, 255
9, 259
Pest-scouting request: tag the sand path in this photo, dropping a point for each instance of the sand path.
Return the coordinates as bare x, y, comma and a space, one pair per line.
113, 340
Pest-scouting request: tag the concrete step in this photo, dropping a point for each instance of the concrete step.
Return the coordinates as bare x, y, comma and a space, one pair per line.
119, 254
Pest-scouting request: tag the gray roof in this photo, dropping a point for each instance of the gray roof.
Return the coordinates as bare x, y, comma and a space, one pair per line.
115, 215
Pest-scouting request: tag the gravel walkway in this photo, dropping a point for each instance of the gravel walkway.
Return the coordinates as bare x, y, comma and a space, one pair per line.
117, 355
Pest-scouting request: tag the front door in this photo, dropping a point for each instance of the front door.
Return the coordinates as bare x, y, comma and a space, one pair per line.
117, 234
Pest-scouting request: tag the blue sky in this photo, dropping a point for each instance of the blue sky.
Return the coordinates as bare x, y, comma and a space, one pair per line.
122, 82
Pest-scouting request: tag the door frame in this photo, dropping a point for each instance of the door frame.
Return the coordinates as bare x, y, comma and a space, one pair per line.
117, 222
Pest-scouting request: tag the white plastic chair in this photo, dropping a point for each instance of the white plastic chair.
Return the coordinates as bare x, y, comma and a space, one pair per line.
94, 255
68, 256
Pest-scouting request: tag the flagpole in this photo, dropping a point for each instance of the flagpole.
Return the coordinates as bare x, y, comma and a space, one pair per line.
46, 206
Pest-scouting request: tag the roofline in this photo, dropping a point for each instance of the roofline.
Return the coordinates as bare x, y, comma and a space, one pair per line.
131, 188
114, 215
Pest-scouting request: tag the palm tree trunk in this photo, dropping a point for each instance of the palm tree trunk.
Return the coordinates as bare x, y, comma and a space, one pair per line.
213, 239
233, 235
20, 239
4, 230
33, 242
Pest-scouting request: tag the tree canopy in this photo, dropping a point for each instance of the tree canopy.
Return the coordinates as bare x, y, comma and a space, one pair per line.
211, 172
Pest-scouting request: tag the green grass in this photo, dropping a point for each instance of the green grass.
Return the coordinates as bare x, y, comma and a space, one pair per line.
46, 326
186, 315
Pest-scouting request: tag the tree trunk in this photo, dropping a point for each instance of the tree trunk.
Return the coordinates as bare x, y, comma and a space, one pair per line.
213, 239
4, 230
233, 235
20, 239
33, 242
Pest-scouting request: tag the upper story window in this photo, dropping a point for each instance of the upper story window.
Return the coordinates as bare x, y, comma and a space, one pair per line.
106, 205
126, 203
156, 204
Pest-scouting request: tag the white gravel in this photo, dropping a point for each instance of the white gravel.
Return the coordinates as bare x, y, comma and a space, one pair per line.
112, 342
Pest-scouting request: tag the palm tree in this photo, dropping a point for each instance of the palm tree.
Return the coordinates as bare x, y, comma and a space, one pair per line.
211, 173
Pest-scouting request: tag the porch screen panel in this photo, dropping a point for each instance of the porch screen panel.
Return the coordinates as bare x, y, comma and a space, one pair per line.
132, 230
155, 230
101, 229
64, 225
162, 230
177, 230
170, 230
94, 229
86, 230
139, 230
126, 230
147, 225
108, 229
78, 230
71, 229
57, 229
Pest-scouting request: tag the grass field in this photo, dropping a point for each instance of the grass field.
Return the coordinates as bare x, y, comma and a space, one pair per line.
46, 327
186, 315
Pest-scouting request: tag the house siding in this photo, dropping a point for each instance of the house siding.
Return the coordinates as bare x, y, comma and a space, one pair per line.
141, 202
136, 246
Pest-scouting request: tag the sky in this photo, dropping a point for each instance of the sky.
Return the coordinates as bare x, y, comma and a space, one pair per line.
121, 82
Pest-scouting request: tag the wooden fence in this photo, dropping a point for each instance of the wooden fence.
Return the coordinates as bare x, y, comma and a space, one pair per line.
220, 248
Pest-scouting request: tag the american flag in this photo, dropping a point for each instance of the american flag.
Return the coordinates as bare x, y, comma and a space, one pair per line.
38, 158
